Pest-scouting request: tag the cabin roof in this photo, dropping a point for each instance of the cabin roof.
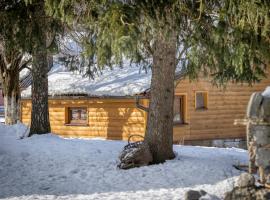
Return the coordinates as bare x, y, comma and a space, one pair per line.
130, 80
25, 81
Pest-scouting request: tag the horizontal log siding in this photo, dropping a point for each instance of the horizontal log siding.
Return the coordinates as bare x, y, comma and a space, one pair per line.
224, 106
108, 118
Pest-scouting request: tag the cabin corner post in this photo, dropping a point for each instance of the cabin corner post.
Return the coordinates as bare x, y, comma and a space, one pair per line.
258, 136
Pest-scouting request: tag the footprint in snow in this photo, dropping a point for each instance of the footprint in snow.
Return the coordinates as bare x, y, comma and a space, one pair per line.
62, 177
50, 164
74, 171
25, 154
51, 175
83, 175
44, 187
99, 151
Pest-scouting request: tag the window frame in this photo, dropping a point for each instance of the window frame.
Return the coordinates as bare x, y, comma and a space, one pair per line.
68, 121
184, 111
205, 97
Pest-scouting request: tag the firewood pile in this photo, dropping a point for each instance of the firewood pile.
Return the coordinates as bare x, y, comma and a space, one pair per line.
135, 154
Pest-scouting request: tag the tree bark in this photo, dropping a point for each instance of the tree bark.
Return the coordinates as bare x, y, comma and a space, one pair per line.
159, 130
11, 93
40, 123
9, 78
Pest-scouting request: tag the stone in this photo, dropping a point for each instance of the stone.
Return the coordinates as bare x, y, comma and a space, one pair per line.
267, 195
265, 109
263, 194
263, 157
254, 104
246, 180
261, 134
193, 195
202, 192
247, 193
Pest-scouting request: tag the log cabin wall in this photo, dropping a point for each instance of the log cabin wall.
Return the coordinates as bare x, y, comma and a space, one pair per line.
119, 118
107, 118
224, 106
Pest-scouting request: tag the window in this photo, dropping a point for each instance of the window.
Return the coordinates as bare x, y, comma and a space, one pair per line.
179, 109
77, 116
201, 100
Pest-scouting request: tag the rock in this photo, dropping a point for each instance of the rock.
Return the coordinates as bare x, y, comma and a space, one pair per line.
194, 195
247, 193
202, 192
263, 157
247, 190
265, 109
246, 180
263, 194
267, 195
261, 134
253, 108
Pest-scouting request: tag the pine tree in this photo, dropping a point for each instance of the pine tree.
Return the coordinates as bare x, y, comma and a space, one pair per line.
144, 32
234, 44
210, 35
26, 28
12, 59
40, 122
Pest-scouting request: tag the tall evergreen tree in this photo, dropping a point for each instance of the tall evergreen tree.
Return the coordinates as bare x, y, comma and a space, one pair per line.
44, 30
234, 44
28, 29
210, 34
40, 122
12, 59
141, 31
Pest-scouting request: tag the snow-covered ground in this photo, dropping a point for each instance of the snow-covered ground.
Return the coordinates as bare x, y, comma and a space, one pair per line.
50, 167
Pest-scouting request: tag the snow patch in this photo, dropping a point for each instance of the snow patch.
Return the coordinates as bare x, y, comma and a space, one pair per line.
50, 167
14, 131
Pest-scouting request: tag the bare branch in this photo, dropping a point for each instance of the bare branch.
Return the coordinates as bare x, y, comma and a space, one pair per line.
24, 64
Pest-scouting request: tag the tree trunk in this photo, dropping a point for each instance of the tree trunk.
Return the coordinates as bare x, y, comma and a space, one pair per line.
40, 123
9, 78
159, 131
11, 94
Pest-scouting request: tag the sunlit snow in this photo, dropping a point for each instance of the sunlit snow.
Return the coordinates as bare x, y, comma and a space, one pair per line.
50, 167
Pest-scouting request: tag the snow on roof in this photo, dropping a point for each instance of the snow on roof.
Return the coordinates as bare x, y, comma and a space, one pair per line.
266, 92
126, 81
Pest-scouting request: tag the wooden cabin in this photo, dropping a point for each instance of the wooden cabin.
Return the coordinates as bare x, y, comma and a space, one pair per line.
106, 107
